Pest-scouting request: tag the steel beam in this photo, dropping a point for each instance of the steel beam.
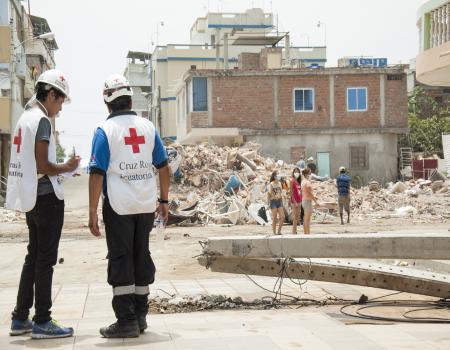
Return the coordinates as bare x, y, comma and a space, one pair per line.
374, 275
361, 246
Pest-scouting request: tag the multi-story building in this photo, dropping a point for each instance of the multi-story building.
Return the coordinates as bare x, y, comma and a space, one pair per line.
433, 61
341, 116
138, 73
22, 58
216, 41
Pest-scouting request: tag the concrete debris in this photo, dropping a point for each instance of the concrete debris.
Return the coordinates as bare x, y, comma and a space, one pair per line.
403, 211
184, 304
436, 175
10, 216
399, 187
437, 185
229, 186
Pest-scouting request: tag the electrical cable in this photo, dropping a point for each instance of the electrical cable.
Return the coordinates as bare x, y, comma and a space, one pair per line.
418, 305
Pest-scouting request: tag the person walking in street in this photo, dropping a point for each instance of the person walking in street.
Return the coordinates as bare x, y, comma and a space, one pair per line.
275, 198
307, 199
343, 182
34, 188
125, 149
296, 199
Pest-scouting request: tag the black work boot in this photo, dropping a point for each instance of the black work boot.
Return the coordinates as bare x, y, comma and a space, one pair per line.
142, 320
116, 330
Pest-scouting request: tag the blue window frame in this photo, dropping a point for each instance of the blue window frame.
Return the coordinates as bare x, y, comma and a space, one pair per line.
303, 100
199, 94
357, 99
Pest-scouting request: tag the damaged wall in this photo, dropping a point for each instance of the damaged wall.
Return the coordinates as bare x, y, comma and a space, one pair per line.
381, 150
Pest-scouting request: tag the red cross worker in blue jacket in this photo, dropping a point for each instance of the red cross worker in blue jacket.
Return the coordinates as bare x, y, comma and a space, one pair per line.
127, 152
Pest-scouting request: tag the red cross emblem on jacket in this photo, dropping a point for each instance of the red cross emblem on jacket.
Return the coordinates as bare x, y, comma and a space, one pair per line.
18, 140
134, 140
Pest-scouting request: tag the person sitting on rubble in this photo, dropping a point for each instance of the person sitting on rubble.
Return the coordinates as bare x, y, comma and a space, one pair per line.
296, 199
307, 199
343, 186
275, 199
312, 165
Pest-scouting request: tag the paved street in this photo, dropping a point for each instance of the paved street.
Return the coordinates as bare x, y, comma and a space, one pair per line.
87, 307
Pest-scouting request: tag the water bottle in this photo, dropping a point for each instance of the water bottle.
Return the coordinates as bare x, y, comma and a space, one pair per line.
160, 232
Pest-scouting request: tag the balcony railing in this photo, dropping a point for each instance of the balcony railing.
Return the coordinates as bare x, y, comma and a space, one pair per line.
439, 25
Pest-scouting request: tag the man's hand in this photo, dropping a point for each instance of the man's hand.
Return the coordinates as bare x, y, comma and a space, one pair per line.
72, 163
163, 210
93, 224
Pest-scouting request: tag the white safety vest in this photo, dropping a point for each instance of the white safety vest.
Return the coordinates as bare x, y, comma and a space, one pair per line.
22, 184
130, 178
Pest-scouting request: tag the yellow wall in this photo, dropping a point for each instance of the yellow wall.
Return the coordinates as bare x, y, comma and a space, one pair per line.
5, 112
5, 44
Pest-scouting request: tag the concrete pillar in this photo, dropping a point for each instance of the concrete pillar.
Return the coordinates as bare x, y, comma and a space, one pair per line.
432, 31
209, 87
217, 48
275, 87
414, 245
382, 100
287, 48
225, 51
332, 102
448, 21
443, 24
5, 153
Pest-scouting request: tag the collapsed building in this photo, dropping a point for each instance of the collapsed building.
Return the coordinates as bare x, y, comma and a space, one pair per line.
200, 191
341, 116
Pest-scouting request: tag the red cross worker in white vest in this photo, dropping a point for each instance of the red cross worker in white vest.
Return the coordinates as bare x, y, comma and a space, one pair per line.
35, 188
127, 151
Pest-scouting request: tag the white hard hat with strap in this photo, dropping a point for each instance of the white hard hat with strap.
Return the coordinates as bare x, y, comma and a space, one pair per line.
116, 86
56, 79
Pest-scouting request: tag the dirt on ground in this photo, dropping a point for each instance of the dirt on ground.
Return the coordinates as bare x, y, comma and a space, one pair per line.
177, 254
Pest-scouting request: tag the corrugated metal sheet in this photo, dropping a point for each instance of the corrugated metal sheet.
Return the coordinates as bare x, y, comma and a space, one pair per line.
446, 147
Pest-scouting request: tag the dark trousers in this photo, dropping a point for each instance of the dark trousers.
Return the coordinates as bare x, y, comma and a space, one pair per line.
45, 224
130, 266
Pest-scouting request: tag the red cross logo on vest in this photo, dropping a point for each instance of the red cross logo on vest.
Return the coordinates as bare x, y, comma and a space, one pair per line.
134, 140
18, 140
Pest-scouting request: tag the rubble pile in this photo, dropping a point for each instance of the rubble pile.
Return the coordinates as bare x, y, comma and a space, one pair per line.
178, 304
10, 216
228, 185
201, 302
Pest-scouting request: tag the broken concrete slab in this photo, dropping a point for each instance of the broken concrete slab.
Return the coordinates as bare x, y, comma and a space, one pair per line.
376, 275
366, 246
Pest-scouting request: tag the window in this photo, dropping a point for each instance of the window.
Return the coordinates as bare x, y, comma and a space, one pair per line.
358, 157
357, 99
199, 95
304, 100
395, 77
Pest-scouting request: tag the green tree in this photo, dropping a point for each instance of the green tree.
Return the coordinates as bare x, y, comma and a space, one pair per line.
60, 153
427, 119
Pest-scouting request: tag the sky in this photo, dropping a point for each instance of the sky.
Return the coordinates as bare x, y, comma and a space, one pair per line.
95, 36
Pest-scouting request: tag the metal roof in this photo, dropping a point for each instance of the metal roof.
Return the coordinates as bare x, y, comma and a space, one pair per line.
260, 40
139, 55
40, 26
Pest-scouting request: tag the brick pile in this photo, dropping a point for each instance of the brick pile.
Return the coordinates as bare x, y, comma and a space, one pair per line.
206, 169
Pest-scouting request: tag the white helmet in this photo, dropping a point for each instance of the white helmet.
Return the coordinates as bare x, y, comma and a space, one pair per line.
115, 86
56, 79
